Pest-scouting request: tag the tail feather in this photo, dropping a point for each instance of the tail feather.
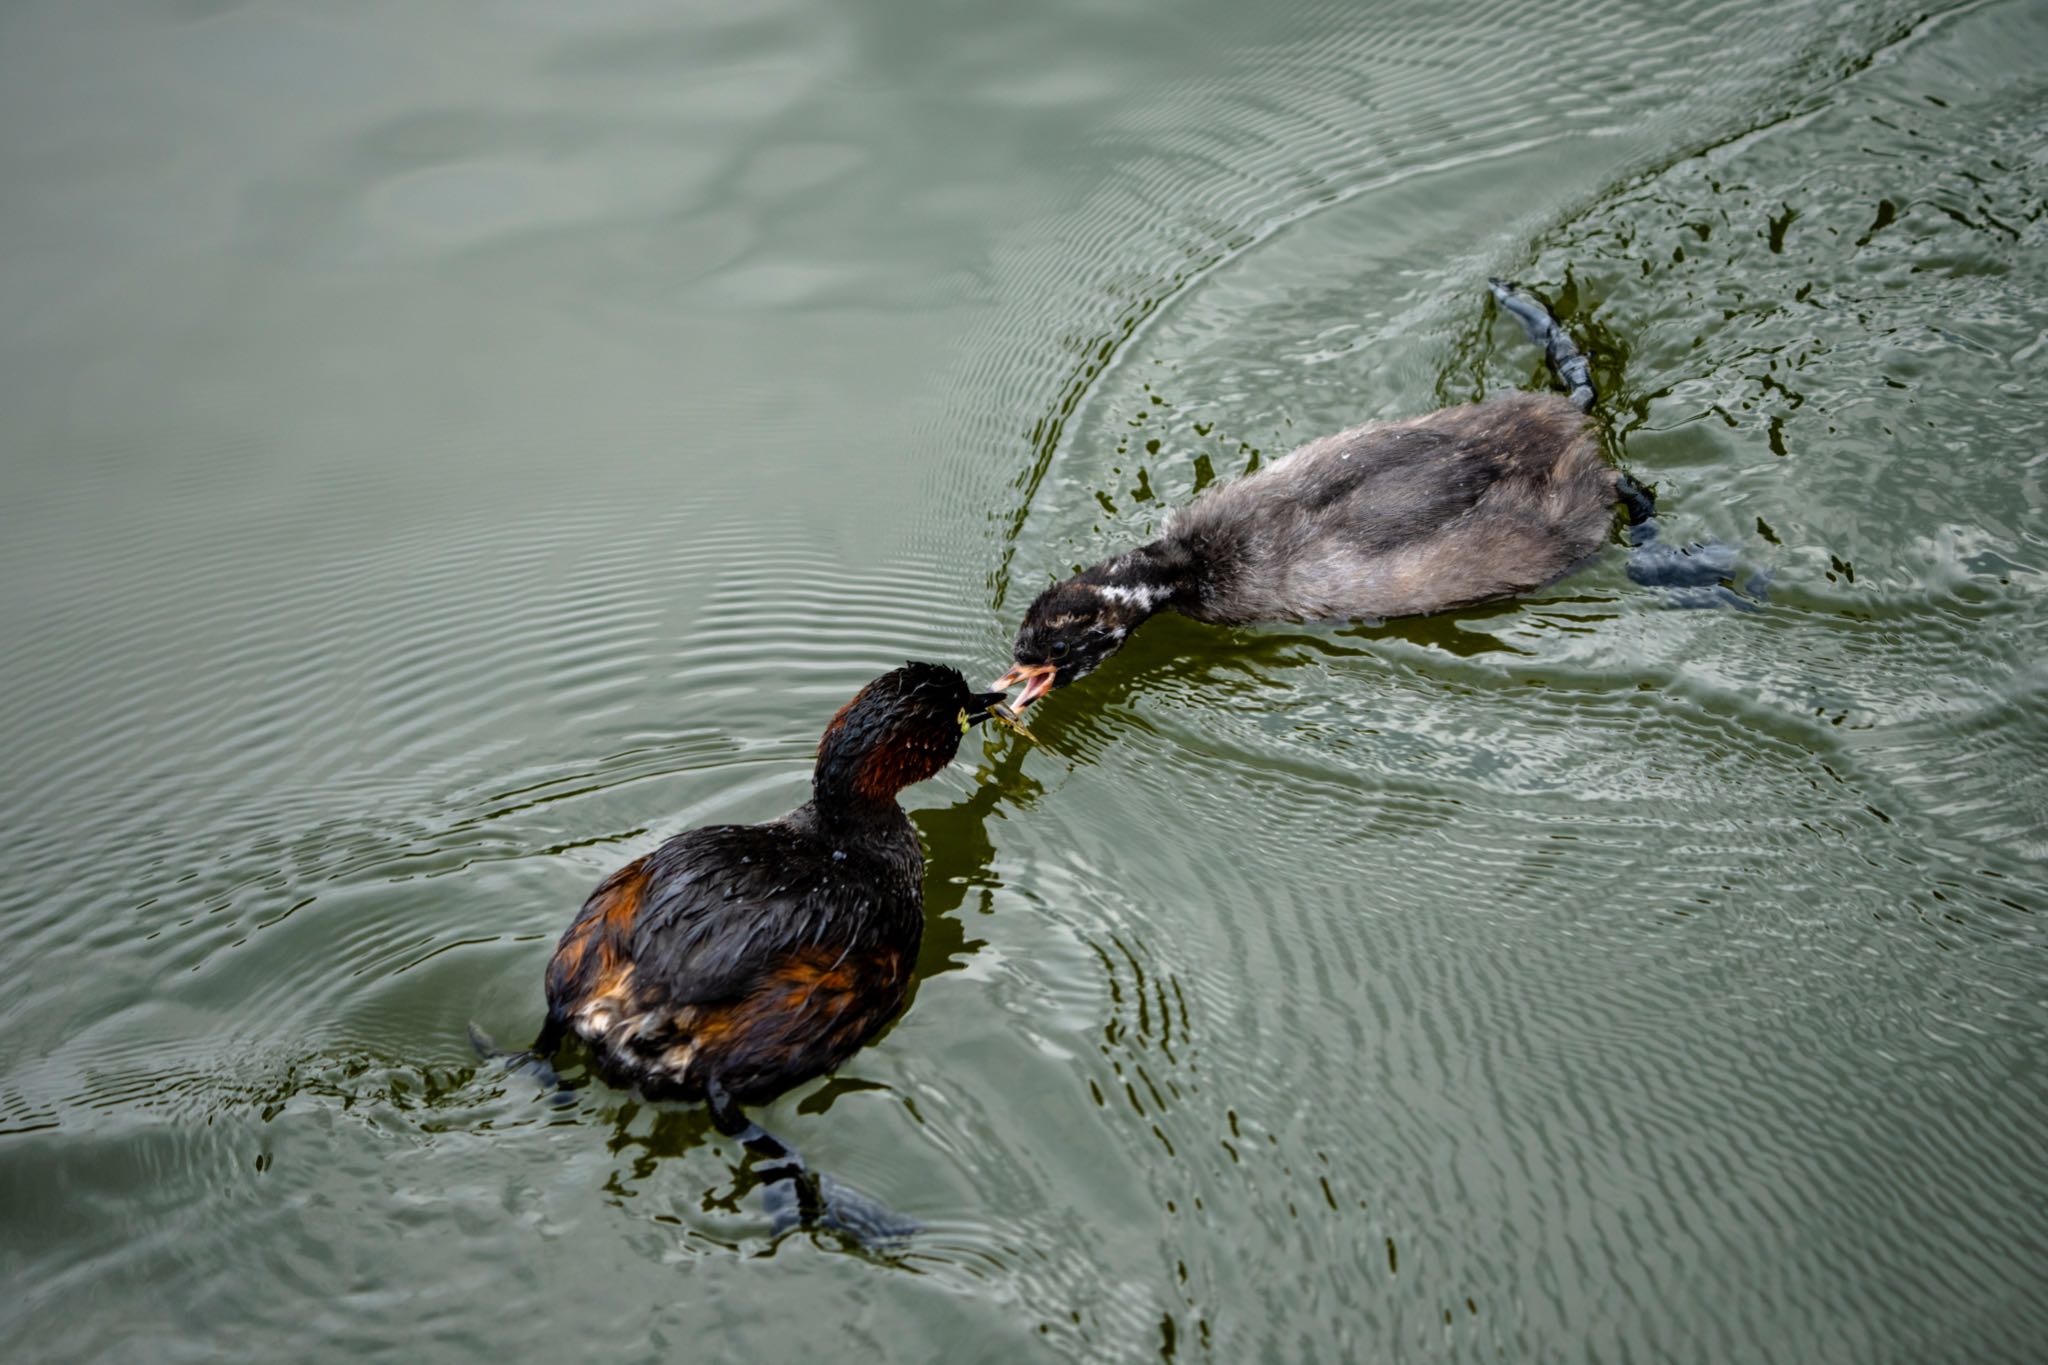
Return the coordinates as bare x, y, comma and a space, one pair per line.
1566, 360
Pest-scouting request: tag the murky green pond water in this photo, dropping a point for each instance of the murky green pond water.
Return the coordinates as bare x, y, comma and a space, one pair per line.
447, 450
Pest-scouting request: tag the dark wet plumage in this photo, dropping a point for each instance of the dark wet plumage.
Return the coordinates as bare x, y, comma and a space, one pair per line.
736, 961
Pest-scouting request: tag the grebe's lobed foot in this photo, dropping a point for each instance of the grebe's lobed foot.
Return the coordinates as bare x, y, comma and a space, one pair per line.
796, 1200
873, 1224
791, 1200
1695, 576
1657, 565
529, 1064
794, 1196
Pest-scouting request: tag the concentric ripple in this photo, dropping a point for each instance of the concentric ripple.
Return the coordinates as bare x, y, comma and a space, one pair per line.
444, 461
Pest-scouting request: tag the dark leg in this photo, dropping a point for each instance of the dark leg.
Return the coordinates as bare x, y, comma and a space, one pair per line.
793, 1195
782, 1161
1696, 576
1567, 362
1639, 502
548, 1041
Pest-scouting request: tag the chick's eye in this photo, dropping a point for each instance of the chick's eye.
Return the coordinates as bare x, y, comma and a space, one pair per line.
1058, 650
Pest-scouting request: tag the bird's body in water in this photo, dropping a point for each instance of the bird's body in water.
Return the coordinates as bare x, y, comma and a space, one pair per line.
1461, 506
736, 961
1387, 519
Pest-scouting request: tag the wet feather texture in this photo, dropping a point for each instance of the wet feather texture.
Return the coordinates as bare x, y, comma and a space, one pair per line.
750, 958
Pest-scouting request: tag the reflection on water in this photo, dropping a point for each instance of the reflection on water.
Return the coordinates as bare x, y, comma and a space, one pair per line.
443, 460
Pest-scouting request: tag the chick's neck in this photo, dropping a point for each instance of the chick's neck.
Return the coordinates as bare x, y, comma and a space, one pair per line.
1155, 577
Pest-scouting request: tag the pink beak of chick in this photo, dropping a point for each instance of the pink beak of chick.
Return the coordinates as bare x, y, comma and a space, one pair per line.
1037, 679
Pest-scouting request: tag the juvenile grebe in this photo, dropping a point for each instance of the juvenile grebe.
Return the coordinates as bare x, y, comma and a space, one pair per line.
1461, 506
736, 961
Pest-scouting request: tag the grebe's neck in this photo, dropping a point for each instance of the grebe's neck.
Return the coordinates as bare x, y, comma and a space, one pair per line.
853, 781
854, 819
866, 757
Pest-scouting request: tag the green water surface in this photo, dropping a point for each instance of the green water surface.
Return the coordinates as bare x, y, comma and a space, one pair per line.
444, 450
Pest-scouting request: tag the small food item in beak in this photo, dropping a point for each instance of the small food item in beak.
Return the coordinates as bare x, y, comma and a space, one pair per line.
1001, 714
994, 706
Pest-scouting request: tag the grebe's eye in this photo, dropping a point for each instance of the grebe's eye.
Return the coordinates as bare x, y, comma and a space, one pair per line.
963, 720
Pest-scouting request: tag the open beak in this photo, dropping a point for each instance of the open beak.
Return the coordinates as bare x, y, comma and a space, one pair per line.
1037, 679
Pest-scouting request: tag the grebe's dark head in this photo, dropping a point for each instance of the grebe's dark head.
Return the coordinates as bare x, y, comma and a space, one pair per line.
1072, 628
901, 728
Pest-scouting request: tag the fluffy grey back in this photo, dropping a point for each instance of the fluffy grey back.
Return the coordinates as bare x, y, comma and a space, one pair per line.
1389, 519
